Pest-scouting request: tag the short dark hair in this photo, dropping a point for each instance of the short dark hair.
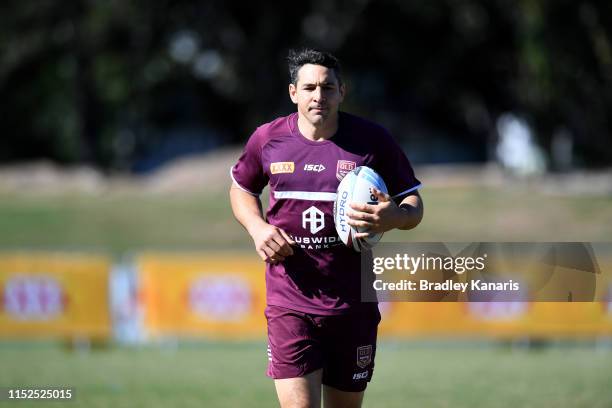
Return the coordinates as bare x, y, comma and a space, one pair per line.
299, 57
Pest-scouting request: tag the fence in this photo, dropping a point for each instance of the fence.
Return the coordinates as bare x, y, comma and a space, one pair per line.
222, 295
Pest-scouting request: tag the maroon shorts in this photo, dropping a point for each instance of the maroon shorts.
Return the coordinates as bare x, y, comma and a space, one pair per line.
344, 346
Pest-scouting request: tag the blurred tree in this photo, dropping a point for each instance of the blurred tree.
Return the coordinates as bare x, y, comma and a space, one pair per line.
110, 83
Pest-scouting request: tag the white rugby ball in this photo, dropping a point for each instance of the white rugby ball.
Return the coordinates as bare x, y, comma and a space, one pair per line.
356, 187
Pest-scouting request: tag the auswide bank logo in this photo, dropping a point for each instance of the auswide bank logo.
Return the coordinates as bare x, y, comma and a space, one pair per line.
313, 219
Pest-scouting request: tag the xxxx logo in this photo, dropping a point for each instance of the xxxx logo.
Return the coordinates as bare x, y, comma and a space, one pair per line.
282, 167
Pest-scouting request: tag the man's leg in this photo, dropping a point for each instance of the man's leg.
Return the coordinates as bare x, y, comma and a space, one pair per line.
294, 357
334, 398
300, 392
350, 349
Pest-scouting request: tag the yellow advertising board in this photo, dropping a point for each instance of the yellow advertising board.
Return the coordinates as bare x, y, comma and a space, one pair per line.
506, 319
199, 294
496, 319
222, 295
216, 295
54, 295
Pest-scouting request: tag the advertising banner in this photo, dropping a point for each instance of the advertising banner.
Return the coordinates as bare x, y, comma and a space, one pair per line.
223, 295
54, 295
216, 295
546, 290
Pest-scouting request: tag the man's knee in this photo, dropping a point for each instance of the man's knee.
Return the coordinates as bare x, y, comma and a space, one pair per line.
334, 398
300, 392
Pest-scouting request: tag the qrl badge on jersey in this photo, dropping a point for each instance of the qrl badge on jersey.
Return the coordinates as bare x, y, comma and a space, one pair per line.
364, 356
343, 167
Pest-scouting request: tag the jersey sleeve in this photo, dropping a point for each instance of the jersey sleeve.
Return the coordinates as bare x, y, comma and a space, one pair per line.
248, 172
395, 168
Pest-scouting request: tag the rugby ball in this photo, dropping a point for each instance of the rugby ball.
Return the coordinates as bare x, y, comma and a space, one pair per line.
356, 187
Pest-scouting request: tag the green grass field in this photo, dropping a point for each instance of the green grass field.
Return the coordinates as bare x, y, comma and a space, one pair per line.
232, 375
120, 221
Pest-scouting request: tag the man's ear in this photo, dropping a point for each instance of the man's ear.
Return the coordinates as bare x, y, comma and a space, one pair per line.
342, 90
292, 93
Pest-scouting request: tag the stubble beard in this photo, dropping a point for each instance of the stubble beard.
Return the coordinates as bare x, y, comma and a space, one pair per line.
320, 120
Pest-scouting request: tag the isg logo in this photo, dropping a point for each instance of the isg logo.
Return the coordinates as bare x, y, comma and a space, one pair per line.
314, 167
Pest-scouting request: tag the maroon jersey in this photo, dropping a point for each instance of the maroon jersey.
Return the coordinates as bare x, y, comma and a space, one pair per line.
323, 275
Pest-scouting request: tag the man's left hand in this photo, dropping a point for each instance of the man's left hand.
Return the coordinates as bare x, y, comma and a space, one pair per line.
375, 218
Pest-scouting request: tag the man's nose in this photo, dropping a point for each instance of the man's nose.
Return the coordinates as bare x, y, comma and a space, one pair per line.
318, 93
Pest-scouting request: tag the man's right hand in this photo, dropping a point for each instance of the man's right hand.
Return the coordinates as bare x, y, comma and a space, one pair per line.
271, 243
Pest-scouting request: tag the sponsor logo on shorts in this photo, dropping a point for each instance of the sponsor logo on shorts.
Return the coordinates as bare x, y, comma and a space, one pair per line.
343, 167
360, 376
282, 167
314, 167
364, 356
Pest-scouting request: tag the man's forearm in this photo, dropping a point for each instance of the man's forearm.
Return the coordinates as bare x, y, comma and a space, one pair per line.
271, 243
411, 213
247, 209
